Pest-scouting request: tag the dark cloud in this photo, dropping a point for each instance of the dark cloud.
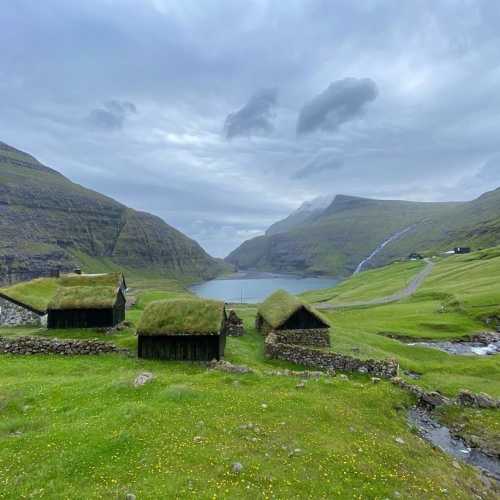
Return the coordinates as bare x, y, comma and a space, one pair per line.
255, 117
341, 102
112, 115
325, 162
425, 137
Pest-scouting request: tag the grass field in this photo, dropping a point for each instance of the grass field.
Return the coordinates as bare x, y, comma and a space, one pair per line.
77, 428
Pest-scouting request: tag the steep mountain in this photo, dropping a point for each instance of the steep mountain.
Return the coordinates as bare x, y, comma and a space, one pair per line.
308, 211
351, 228
48, 223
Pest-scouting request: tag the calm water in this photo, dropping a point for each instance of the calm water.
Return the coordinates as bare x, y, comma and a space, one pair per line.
255, 287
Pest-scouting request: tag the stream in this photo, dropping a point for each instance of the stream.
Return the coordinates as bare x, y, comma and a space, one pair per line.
440, 436
485, 344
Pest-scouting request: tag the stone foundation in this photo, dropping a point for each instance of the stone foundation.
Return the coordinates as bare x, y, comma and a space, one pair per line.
328, 361
318, 337
12, 314
37, 345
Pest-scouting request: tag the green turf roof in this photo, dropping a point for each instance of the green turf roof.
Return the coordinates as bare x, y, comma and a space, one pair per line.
182, 317
84, 297
279, 306
108, 279
34, 294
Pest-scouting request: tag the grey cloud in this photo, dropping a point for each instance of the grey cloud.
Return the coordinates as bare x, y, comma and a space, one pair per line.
325, 162
254, 117
490, 171
112, 115
341, 102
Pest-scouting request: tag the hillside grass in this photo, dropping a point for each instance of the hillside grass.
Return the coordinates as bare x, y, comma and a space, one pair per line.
77, 428
371, 284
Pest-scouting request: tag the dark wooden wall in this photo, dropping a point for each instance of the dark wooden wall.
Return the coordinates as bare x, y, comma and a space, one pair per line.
181, 347
88, 318
302, 320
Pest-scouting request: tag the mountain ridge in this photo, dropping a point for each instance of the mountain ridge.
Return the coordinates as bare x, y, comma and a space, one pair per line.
48, 223
351, 227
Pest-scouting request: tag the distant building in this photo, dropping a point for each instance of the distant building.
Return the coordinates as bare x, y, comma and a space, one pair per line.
88, 301
183, 330
415, 256
461, 250
282, 312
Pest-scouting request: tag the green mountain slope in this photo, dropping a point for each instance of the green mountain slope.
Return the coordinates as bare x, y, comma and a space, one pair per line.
48, 223
351, 228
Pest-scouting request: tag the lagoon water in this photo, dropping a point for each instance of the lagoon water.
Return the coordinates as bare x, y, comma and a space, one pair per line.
255, 287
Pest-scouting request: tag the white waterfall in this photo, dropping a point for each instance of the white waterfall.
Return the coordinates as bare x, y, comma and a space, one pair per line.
394, 237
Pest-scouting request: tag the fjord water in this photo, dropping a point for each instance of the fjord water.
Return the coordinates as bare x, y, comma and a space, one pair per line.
251, 288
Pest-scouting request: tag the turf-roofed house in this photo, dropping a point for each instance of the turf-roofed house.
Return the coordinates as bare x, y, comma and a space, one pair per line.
292, 320
183, 330
88, 301
16, 310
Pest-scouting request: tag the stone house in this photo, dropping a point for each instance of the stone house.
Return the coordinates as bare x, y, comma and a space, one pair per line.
14, 312
292, 320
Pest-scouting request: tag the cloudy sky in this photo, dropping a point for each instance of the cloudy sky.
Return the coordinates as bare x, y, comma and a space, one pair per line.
224, 116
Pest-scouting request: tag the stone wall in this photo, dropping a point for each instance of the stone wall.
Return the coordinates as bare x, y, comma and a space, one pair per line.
40, 345
328, 361
13, 315
316, 337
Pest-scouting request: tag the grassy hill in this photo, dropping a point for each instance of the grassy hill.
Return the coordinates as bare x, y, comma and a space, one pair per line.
47, 223
77, 427
351, 228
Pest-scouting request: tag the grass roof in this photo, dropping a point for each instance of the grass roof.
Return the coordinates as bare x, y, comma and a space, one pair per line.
35, 294
84, 297
279, 306
182, 317
108, 279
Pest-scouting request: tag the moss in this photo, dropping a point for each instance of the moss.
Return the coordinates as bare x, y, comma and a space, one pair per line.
182, 317
84, 297
35, 294
86, 280
279, 306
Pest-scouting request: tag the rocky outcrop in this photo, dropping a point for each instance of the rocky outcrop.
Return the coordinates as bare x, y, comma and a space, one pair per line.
27, 346
481, 400
328, 361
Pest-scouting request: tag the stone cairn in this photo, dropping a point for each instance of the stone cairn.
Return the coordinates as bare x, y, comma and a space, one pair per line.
38, 345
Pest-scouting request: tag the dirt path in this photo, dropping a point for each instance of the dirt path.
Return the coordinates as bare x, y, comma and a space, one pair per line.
403, 294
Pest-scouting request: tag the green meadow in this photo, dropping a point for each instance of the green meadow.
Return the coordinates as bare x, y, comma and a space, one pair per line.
78, 428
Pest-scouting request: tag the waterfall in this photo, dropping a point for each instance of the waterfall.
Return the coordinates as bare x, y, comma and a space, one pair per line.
392, 238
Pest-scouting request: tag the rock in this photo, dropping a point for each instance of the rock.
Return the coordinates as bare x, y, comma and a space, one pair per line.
400, 440
456, 465
143, 378
342, 376
227, 367
264, 405
375, 380
433, 399
130, 496
481, 400
197, 439
301, 385
237, 467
